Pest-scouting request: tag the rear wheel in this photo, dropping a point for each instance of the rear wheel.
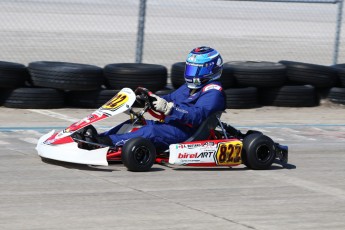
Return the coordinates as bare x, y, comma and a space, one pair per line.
138, 154
258, 151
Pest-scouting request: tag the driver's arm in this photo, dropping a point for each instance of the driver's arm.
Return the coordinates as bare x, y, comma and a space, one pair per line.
208, 103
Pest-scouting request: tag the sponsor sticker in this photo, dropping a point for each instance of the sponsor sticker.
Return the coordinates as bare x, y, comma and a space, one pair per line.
229, 153
212, 86
192, 153
116, 102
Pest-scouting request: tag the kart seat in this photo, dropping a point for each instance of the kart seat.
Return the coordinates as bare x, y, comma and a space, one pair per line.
204, 130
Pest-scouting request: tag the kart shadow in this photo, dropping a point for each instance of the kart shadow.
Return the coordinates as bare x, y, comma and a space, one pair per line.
209, 169
273, 167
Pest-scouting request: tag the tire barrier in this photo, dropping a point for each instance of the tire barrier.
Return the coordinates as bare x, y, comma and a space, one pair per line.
340, 70
12, 75
176, 76
247, 84
258, 73
289, 96
132, 75
310, 74
337, 95
241, 98
66, 76
37, 98
89, 99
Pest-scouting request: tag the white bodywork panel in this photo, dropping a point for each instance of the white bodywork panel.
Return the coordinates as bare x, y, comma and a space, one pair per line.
71, 153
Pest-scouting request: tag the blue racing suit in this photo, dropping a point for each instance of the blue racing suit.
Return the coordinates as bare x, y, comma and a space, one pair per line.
188, 113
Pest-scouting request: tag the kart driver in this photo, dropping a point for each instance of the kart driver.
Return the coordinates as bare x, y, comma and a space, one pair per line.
185, 108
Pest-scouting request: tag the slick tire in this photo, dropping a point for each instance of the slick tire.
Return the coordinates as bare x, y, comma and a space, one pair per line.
34, 98
89, 99
258, 151
337, 95
318, 76
241, 98
289, 96
340, 69
133, 75
258, 73
138, 154
12, 75
66, 76
177, 74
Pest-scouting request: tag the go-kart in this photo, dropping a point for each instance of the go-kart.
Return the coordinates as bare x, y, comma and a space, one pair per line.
215, 143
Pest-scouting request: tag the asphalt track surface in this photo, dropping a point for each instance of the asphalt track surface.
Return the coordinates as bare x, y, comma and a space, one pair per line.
309, 194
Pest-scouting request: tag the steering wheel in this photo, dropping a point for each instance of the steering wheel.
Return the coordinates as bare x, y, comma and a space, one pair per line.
145, 96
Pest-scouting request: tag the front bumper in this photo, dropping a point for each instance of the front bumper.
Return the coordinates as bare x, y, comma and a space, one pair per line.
70, 152
282, 153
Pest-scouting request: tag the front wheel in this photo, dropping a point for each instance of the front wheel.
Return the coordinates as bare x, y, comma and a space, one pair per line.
258, 151
138, 154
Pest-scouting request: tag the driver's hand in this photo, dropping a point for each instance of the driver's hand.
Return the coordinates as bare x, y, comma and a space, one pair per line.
161, 105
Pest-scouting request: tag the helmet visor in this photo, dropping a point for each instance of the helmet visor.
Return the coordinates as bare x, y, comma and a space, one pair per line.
197, 70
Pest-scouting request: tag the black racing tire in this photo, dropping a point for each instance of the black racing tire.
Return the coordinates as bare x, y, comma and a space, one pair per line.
177, 74
132, 75
337, 95
138, 154
66, 76
227, 78
304, 73
289, 96
241, 98
89, 99
258, 151
34, 98
12, 75
258, 73
340, 69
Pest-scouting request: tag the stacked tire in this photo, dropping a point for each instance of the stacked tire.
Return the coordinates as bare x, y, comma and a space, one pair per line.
46, 84
17, 93
118, 76
247, 84
250, 84
337, 93
250, 77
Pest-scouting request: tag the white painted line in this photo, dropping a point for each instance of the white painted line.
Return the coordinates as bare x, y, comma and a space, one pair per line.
33, 132
261, 130
4, 143
290, 130
54, 114
300, 137
277, 139
317, 129
30, 140
28, 132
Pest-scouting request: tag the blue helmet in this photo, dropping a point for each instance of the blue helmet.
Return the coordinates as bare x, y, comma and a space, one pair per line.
203, 65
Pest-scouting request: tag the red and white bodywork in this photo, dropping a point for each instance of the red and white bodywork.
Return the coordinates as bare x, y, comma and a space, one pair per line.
60, 145
224, 152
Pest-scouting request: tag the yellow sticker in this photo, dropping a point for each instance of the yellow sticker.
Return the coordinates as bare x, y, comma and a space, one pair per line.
229, 153
116, 102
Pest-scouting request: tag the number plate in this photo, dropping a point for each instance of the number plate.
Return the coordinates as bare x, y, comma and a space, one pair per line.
229, 153
116, 102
